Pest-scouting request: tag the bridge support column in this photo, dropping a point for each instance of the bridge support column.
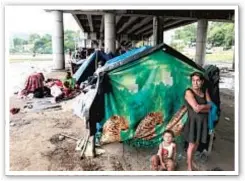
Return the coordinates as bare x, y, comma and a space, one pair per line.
58, 41
101, 41
110, 33
202, 28
117, 44
157, 31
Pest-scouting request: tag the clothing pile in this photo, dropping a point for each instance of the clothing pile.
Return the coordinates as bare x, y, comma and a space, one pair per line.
35, 85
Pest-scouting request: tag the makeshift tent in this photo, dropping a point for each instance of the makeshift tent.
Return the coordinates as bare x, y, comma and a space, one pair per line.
127, 54
89, 65
139, 96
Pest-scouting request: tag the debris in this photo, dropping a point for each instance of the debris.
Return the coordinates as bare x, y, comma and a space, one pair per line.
84, 144
52, 107
90, 149
12, 124
30, 96
61, 137
55, 139
14, 110
79, 144
216, 169
99, 151
69, 137
228, 119
29, 106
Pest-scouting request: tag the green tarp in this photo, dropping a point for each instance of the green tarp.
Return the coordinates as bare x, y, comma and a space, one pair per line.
144, 98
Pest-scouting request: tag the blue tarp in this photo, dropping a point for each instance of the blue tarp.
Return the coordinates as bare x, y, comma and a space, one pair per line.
88, 66
127, 54
83, 67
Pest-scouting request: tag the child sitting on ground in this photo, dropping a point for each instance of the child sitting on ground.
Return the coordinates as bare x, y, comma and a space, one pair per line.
69, 81
166, 156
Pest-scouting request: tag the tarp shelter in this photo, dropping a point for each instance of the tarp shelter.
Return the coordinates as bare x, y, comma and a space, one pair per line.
137, 97
89, 65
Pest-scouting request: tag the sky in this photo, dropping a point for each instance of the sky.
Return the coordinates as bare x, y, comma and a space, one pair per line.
24, 19
21, 20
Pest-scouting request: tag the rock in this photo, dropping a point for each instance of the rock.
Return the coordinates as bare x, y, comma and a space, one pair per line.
99, 151
12, 124
226, 118
61, 137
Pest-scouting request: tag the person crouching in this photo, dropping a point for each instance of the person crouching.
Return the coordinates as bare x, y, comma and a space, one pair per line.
166, 156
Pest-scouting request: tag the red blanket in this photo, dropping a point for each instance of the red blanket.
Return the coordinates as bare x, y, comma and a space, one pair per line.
33, 82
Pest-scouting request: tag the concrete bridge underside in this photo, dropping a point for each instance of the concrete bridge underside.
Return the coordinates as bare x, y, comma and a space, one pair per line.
125, 27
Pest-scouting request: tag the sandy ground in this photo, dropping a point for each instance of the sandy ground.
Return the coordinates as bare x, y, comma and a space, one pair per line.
35, 145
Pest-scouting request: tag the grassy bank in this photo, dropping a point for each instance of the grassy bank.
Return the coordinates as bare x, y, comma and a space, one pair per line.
223, 56
26, 58
23, 58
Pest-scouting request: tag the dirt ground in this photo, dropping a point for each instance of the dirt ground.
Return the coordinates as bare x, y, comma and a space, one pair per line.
35, 146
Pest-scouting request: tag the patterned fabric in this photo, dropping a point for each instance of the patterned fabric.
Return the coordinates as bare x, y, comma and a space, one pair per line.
33, 82
149, 94
112, 129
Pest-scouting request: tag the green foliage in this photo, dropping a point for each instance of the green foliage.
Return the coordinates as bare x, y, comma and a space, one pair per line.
20, 41
33, 38
187, 33
178, 45
219, 34
43, 44
69, 40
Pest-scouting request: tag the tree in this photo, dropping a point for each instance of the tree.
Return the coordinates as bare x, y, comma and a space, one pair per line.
187, 33
43, 44
33, 38
221, 34
69, 39
19, 42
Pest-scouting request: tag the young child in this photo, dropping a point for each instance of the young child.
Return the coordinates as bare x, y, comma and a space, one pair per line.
166, 156
70, 81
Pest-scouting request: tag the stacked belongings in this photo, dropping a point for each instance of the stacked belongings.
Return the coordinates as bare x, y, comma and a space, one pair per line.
137, 96
35, 84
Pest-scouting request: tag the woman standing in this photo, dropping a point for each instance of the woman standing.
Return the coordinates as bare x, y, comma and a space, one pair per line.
196, 128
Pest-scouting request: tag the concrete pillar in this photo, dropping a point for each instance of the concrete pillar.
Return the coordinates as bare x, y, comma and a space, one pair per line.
202, 28
101, 41
117, 44
157, 31
110, 33
58, 41
100, 44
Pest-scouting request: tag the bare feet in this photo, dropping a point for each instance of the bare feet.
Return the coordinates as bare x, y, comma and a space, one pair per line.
195, 166
192, 167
